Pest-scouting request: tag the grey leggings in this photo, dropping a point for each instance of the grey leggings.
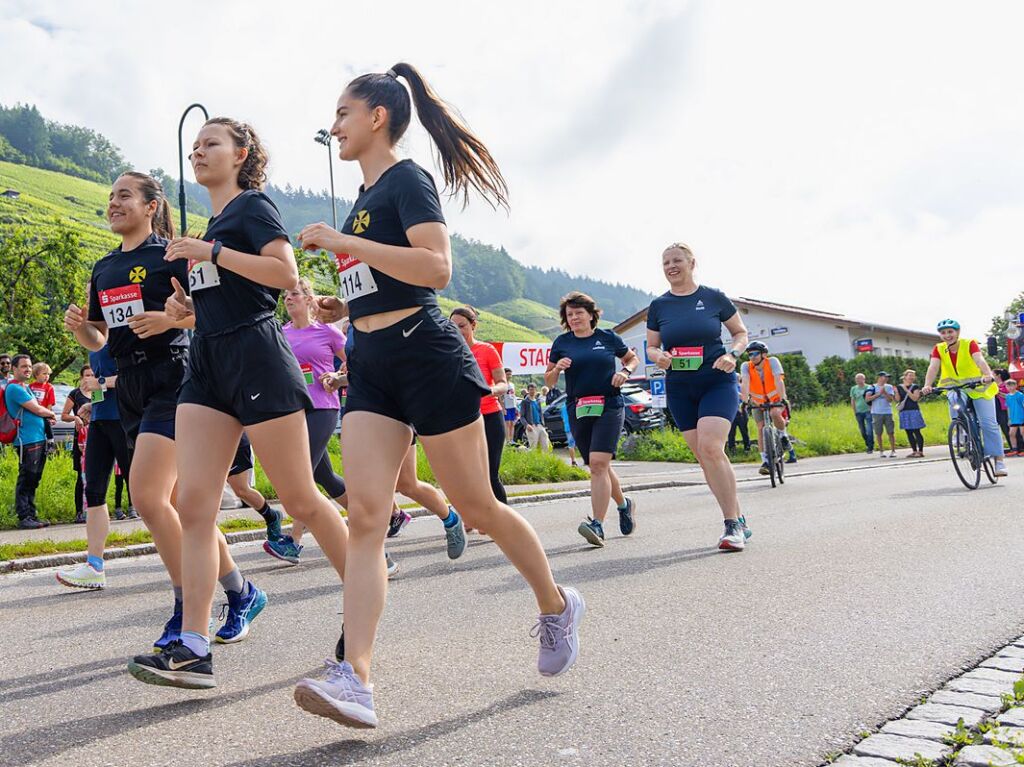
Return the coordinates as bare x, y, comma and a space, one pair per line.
321, 424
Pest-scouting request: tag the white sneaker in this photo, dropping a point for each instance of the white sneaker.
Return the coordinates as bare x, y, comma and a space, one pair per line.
82, 576
1000, 469
733, 538
392, 565
892, 454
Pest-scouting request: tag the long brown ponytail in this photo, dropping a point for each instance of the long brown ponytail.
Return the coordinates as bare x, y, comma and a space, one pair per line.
152, 191
465, 162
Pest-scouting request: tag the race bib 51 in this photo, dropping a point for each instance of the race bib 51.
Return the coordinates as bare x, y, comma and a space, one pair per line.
589, 407
687, 357
121, 304
356, 279
202, 275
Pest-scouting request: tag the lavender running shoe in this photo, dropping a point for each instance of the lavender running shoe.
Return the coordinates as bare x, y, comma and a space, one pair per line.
559, 635
342, 696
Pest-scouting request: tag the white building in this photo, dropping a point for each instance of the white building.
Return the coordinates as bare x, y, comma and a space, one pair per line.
816, 334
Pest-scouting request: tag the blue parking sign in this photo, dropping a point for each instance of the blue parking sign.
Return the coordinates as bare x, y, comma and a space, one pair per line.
657, 387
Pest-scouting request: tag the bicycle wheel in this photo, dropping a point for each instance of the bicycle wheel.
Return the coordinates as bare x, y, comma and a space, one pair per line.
780, 459
990, 469
769, 452
964, 453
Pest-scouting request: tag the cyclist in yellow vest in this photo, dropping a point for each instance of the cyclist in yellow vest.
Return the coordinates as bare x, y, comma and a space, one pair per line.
762, 380
955, 360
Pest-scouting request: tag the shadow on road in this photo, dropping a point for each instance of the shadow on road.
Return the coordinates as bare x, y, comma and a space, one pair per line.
351, 751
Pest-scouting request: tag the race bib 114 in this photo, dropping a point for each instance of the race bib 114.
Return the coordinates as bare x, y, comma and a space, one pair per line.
121, 304
356, 278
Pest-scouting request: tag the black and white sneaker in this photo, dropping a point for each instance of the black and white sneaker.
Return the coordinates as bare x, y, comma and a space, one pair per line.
174, 666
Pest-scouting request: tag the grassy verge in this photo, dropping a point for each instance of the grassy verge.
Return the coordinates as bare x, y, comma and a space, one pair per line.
819, 430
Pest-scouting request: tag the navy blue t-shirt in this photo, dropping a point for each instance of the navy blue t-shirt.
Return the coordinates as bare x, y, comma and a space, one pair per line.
247, 223
402, 197
593, 364
103, 364
117, 280
692, 321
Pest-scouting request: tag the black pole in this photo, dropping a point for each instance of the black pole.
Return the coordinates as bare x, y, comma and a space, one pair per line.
181, 164
334, 204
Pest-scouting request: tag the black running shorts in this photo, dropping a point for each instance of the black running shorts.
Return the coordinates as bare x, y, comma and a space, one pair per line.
418, 371
147, 395
243, 457
249, 373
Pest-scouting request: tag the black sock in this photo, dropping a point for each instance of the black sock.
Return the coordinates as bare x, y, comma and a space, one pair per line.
267, 513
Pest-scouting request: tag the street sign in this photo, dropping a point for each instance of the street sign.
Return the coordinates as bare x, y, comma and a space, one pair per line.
658, 393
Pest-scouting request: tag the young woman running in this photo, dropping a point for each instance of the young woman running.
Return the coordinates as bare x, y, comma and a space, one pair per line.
394, 254
126, 312
241, 373
684, 337
587, 356
489, 361
106, 443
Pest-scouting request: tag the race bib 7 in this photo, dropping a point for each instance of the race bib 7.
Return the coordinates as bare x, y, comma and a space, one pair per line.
687, 357
202, 275
589, 407
118, 305
355, 276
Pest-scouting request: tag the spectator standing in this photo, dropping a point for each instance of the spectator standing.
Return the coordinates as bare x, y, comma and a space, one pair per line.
1002, 414
511, 411
30, 441
911, 419
862, 411
739, 423
5, 367
881, 396
43, 391
529, 411
76, 398
1015, 410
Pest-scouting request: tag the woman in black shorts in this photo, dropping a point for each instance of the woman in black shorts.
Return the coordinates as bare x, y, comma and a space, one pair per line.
126, 312
241, 373
394, 255
587, 356
684, 338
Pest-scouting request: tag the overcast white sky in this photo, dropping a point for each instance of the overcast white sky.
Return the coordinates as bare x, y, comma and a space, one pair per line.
863, 158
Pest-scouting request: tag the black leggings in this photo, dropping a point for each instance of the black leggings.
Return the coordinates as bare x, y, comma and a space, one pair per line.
916, 440
321, 424
76, 464
105, 444
494, 430
119, 485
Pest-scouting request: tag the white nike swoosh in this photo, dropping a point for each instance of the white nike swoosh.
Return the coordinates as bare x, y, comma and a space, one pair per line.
410, 331
254, 396
174, 665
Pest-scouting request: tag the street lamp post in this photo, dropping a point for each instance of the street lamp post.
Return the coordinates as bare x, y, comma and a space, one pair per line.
181, 164
323, 137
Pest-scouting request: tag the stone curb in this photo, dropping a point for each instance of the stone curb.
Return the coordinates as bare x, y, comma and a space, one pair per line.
240, 536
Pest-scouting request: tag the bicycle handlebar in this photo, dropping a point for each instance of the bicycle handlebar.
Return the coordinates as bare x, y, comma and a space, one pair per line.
974, 383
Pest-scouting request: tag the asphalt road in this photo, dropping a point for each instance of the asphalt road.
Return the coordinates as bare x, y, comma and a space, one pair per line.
858, 592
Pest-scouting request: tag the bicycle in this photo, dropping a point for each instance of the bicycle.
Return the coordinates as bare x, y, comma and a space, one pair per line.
966, 444
774, 452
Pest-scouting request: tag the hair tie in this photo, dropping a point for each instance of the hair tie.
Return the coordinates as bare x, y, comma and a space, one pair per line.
391, 73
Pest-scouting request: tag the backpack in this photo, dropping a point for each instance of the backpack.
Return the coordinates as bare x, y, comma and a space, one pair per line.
8, 423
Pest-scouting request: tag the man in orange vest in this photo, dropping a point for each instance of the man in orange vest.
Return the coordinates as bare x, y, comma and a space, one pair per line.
763, 380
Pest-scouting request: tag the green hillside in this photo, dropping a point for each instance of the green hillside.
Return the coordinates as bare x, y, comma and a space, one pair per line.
492, 327
536, 316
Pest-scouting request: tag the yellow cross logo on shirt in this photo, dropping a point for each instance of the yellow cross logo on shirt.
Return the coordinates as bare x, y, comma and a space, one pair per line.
361, 222
137, 274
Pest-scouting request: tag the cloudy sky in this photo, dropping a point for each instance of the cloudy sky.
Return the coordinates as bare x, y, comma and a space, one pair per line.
866, 158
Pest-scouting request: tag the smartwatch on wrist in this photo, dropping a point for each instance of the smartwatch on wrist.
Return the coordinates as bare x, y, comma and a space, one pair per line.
217, 245
102, 382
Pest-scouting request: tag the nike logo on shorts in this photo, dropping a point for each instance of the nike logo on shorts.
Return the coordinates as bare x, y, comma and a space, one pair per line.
253, 397
410, 331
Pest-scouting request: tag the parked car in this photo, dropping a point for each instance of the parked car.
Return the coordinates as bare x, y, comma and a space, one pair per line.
640, 416
63, 432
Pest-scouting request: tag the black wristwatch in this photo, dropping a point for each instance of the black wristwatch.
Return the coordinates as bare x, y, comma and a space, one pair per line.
217, 245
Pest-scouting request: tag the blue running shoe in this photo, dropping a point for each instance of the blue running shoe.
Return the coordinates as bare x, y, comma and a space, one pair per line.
274, 526
172, 629
242, 610
626, 521
593, 531
455, 536
746, 530
284, 548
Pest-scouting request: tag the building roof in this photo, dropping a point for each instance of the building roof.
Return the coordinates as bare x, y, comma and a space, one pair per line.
819, 314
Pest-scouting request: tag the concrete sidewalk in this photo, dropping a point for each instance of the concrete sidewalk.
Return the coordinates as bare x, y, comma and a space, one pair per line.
634, 475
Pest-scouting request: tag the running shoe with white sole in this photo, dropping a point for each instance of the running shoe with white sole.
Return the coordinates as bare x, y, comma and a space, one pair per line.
283, 548
83, 576
392, 565
1000, 470
241, 611
733, 538
341, 696
747, 532
559, 635
398, 521
592, 530
627, 524
455, 536
174, 666
274, 526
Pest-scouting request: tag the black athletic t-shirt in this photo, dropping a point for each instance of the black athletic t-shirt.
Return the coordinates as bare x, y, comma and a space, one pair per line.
403, 197
126, 283
692, 322
247, 223
593, 364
